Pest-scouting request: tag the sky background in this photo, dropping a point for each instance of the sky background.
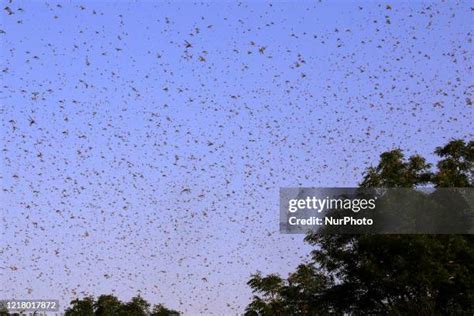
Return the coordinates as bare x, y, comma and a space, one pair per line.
144, 143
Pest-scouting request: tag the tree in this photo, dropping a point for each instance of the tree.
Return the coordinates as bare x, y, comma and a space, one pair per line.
385, 274
106, 305
456, 167
83, 307
109, 305
160, 310
3, 310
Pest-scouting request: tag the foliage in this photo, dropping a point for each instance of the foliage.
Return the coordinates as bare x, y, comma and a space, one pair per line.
383, 274
109, 305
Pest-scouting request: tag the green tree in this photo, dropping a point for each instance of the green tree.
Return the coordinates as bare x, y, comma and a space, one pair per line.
109, 305
84, 307
3, 310
456, 167
297, 295
385, 274
136, 307
160, 310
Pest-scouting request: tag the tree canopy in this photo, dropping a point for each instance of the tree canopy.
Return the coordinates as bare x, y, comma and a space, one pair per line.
383, 274
109, 305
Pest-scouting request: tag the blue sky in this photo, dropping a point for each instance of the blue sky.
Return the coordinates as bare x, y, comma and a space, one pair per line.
144, 143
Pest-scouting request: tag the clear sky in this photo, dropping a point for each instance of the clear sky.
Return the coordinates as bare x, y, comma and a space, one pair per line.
144, 143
